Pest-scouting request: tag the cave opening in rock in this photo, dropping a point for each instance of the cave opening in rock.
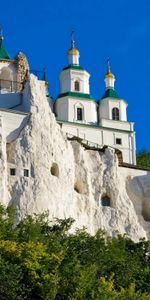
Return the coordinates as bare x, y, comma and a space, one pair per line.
146, 210
105, 200
79, 187
55, 170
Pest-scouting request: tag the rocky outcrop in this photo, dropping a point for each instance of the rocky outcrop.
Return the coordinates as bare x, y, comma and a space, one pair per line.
22, 70
68, 180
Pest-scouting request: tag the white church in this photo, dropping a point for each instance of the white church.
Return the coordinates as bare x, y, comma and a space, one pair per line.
97, 124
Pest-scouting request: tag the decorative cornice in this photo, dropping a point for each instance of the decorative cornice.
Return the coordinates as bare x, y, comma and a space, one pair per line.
96, 126
77, 95
73, 67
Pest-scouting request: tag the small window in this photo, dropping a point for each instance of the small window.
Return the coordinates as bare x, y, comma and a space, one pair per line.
12, 171
115, 114
119, 141
26, 172
105, 201
79, 114
77, 86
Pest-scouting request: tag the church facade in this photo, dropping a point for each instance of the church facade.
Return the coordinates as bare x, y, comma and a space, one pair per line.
97, 123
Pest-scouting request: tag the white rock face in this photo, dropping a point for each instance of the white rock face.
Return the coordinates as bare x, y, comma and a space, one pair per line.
4, 195
80, 177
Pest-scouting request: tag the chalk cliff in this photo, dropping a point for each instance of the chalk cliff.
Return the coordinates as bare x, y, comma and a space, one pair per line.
68, 180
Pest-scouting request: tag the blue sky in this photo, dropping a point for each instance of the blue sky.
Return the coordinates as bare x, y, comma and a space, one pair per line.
119, 29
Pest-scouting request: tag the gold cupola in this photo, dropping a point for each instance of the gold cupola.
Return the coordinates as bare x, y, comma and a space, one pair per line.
73, 53
109, 74
109, 77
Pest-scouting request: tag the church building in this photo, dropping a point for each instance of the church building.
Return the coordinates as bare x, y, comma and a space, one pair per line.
97, 123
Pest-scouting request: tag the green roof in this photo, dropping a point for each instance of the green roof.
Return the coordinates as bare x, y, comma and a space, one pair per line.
110, 93
76, 95
3, 52
75, 67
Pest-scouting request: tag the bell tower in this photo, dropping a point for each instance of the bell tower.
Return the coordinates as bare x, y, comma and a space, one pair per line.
73, 53
74, 78
74, 103
112, 107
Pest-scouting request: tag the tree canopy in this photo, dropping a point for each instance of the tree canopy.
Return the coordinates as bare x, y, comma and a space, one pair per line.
39, 260
143, 158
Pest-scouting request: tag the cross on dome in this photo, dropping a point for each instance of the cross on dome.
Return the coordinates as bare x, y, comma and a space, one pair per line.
109, 74
109, 77
73, 50
72, 39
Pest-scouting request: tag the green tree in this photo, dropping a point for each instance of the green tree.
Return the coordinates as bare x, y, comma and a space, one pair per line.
10, 278
44, 261
143, 158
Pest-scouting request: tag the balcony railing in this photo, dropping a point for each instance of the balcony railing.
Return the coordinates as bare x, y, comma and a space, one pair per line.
8, 86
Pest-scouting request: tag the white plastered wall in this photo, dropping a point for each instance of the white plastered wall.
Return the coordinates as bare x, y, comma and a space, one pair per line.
66, 109
13, 123
117, 124
106, 105
68, 78
102, 137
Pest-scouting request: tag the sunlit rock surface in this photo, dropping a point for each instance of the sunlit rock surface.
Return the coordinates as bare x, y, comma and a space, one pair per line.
68, 180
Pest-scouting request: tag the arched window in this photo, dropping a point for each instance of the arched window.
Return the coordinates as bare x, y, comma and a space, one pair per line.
6, 79
115, 113
77, 86
79, 114
105, 200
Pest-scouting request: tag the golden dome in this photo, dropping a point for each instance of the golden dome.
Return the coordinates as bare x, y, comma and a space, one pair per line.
73, 51
109, 74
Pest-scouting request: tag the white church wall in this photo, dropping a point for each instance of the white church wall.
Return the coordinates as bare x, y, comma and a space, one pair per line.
66, 109
83, 78
65, 82
104, 109
68, 78
123, 110
102, 137
117, 124
121, 105
106, 106
61, 109
13, 122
